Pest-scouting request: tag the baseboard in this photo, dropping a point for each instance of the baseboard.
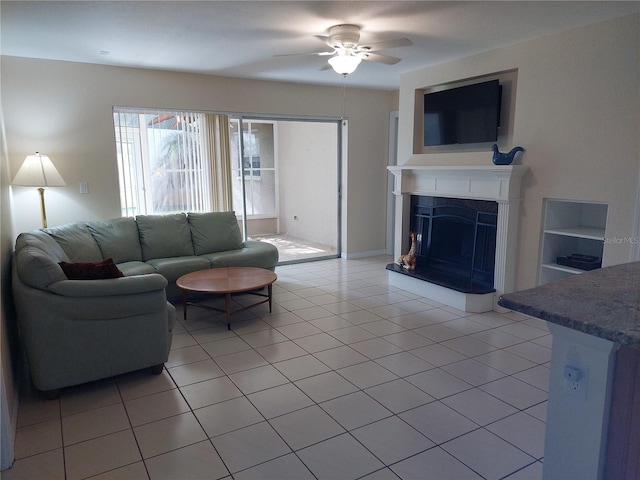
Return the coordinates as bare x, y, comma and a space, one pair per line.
372, 253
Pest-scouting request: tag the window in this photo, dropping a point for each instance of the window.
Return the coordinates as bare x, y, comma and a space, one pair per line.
167, 163
251, 155
258, 167
160, 162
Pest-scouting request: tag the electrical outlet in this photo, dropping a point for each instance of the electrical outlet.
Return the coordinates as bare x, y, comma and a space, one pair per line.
84, 187
575, 380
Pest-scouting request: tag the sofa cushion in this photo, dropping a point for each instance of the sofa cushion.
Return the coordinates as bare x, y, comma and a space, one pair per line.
135, 268
117, 239
76, 241
43, 243
174, 268
252, 254
37, 256
163, 236
91, 270
214, 232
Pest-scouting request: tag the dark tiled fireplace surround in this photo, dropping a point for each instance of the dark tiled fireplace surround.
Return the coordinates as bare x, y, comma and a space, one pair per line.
456, 242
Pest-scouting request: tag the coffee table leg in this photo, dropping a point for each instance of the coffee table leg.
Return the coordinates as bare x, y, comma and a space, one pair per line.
184, 303
227, 307
270, 291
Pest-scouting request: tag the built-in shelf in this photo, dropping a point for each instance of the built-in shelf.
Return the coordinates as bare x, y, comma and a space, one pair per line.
570, 227
561, 268
592, 233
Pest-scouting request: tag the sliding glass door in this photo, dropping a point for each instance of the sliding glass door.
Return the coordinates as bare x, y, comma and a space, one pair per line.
286, 183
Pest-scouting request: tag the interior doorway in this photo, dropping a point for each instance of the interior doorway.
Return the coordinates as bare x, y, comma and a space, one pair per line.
286, 184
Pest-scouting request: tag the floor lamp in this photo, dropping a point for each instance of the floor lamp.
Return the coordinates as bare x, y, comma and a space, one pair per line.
38, 171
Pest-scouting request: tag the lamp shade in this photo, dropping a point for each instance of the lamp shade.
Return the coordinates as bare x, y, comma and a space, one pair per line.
38, 171
345, 64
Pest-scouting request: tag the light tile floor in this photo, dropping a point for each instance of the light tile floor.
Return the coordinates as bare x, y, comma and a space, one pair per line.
347, 378
291, 249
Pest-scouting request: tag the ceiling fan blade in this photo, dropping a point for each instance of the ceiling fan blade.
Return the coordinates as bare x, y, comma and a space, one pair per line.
306, 53
398, 42
376, 57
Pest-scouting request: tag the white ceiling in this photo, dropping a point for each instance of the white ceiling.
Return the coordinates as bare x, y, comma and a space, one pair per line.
240, 38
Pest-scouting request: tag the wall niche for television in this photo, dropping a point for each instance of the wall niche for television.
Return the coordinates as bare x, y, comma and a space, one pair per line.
461, 116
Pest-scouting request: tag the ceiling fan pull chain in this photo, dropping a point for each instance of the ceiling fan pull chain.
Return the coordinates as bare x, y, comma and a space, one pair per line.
344, 100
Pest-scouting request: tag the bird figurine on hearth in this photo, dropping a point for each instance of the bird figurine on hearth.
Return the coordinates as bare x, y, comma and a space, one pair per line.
500, 158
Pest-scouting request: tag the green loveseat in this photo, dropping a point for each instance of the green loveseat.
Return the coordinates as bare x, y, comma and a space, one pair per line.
76, 331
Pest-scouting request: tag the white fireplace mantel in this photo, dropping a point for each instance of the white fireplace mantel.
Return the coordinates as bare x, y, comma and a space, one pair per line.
492, 182
498, 183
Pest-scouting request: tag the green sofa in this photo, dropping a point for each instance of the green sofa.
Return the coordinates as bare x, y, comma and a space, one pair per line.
76, 331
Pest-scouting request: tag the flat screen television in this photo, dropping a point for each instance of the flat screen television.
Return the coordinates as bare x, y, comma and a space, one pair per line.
469, 114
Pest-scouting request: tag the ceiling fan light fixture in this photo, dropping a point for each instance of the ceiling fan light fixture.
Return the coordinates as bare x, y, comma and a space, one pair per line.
345, 64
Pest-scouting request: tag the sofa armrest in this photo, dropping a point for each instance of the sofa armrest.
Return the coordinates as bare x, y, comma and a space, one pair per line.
72, 338
109, 287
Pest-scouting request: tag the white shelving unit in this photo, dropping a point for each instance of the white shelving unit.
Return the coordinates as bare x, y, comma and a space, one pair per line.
570, 227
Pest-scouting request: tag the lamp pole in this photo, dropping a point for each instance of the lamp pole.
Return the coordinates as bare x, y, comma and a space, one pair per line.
43, 211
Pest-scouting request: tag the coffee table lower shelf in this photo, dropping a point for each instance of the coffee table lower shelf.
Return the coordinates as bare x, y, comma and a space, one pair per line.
227, 281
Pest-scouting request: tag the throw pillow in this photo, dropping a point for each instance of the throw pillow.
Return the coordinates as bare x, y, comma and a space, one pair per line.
91, 270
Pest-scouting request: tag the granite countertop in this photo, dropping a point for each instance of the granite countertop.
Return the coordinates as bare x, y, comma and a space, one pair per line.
603, 302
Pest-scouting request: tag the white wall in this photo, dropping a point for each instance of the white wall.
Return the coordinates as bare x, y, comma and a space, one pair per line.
576, 114
9, 351
64, 109
308, 168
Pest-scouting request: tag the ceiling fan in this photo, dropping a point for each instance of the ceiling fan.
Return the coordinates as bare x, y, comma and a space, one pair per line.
346, 54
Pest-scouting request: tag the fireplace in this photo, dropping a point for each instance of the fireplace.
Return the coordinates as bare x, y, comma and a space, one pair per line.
456, 242
466, 218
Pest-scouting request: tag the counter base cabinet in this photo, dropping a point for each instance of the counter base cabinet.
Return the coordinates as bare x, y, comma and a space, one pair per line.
623, 446
576, 431
570, 227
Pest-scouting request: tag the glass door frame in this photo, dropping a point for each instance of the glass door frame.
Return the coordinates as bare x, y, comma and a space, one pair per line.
341, 125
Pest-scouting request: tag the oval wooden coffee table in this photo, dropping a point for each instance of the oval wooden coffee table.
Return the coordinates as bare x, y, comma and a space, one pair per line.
227, 281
